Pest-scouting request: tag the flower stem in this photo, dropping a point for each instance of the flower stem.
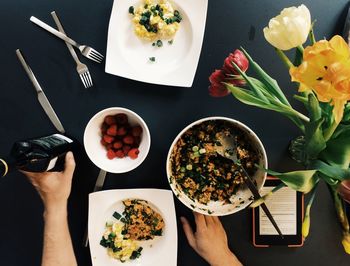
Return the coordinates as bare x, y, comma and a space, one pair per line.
340, 211
300, 115
300, 48
312, 34
284, 58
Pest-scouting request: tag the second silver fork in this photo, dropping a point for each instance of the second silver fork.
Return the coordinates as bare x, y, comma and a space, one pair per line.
82, 69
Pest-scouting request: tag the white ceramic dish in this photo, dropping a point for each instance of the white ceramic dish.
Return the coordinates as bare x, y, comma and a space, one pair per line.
243, 196
98, 154
101, 208
176, 64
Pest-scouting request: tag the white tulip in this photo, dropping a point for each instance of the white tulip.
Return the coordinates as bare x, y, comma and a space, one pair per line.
290, 28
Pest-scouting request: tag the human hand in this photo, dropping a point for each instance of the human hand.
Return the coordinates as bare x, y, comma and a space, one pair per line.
54, 187
209, 240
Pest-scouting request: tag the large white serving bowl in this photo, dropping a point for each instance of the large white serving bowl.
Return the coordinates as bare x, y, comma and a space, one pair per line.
243, 197
97, 153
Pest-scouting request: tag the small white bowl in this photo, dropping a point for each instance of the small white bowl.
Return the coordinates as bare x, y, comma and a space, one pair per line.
98, 154
243, 196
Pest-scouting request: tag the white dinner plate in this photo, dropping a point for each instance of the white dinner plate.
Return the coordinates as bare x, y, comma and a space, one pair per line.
175, 65
158, 252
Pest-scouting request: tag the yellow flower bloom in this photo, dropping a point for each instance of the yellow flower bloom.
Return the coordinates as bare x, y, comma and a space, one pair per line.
326, 71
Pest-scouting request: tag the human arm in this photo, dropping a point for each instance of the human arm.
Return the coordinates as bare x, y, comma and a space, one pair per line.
210, 240
54, 189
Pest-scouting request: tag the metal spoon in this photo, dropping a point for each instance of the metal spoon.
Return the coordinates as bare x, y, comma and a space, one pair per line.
228, 149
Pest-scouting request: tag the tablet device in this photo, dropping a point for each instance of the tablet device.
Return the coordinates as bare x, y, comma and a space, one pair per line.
287, 207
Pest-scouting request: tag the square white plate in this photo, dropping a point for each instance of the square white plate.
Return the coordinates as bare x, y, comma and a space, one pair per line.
158, 252
175, 65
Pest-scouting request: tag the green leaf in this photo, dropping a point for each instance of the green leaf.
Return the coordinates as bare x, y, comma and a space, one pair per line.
255, 89
346, 117
302, 181
338, 151
342, 128
314, 108
315, 142
271, 84
334, 172
247, 97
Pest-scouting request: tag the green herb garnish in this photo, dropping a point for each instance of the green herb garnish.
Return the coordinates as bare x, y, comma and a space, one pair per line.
117, 215
159, 43
152, 59
131, 10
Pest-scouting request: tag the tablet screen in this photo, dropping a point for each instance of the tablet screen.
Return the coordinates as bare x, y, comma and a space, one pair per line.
283, 207
287, 208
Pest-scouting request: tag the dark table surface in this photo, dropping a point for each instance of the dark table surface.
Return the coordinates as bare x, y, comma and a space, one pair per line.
166, 110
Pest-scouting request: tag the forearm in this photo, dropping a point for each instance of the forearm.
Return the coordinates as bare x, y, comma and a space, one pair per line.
58, 248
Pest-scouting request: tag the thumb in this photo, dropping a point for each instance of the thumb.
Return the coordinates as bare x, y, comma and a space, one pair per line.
188, 232
69, 165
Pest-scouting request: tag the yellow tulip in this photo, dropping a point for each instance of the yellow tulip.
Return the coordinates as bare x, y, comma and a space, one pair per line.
305, 228
290, 28
326, 71
346, 243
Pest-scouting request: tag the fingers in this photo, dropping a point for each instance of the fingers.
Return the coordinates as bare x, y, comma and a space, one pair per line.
69, 164
188, 232
209, 220
200, 221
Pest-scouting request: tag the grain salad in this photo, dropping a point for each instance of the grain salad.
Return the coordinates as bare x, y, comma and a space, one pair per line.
203, 175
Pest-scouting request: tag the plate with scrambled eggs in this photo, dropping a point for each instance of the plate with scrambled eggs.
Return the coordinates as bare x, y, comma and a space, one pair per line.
156, 41
132, 227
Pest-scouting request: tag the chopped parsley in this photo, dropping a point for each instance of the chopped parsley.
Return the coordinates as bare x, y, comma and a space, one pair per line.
171, 42
131, 10
152, 59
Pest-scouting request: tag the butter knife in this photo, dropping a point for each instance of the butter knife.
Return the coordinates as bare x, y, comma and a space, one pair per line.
98, 186
44, 102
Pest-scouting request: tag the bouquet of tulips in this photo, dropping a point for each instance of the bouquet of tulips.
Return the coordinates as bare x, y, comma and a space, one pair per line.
322, 73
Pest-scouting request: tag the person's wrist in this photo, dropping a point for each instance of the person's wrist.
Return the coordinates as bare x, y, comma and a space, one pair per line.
227, 259
55, 208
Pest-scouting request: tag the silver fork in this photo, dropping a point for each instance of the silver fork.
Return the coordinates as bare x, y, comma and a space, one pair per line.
85, 50
82, 69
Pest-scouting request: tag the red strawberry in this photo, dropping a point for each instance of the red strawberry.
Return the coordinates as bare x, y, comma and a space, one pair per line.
126, 149
128, 139
119, 154
136, 131
112, 130
104, 128
109, 146
118, 144
122, 119
108, 139
103, 142
121, 131
110, 120
137, 141
133, 153
110, 154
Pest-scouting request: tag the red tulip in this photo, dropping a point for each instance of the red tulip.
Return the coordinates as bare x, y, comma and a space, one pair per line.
217, 88
239, 59
344, 190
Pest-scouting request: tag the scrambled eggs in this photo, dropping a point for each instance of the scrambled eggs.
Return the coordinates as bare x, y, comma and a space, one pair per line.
155, 19
117, 246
